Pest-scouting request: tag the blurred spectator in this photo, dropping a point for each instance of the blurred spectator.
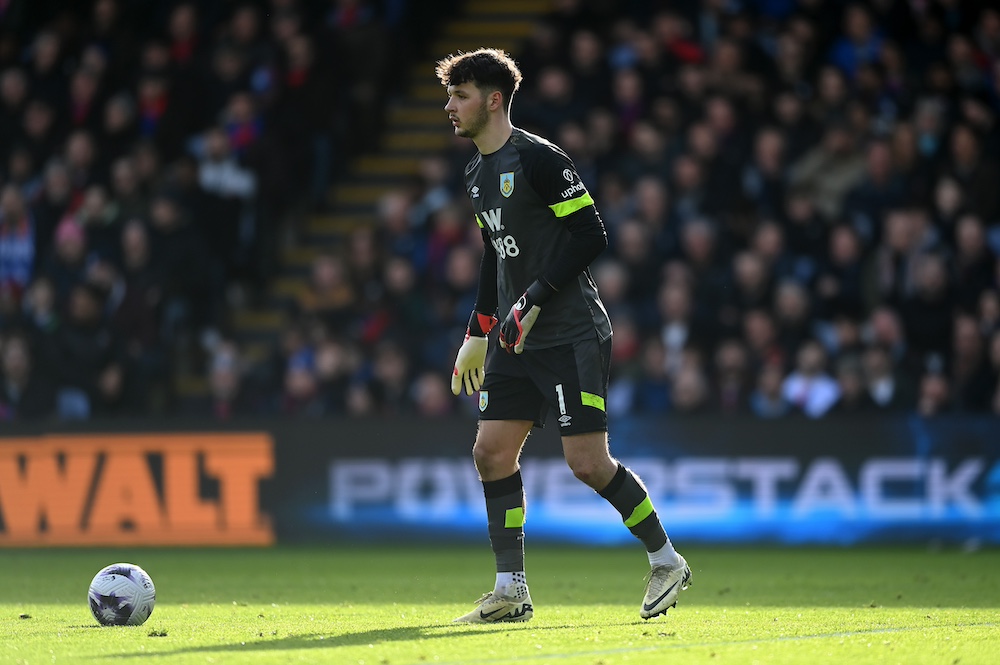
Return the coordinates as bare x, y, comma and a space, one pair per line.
409, 308
80, 155
227, 192
21, 172
973, 261
40, 315
768, 241
117, 131
330, 295
301, 395
830, 170
860, 43
988, 311
126, 190
840, 285
751, 287
226, 383
13, 96
809, 388
67, 265
555, 102
893, 264
390, 379
970, 373
336, 363
634, 248
102, 224
792, 315
976, 173
589, 69
689, 391
431, 395
677, 330
135, 315
760, 333
927, 314
25, 393
732, 380
38, 131
888, 390
935, 395
17, 241
89, 357
182, 259
854, 398
805, 228
763, 178
304, 116
994, 369
767, 400
880, 190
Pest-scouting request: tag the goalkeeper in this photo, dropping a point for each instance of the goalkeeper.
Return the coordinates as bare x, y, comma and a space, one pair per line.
541, 231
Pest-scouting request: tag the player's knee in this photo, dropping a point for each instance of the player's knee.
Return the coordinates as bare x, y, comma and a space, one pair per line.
491, 461
585, 469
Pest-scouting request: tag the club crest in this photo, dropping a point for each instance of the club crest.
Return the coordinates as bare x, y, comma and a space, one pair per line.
507, 184
484, 399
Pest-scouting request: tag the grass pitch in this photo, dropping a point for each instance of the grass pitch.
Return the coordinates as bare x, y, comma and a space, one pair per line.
374, 606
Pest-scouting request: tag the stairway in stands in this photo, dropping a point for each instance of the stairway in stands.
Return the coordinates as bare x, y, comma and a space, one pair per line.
416, 125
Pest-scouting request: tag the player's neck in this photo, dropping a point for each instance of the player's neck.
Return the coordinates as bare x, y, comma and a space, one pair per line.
494, 136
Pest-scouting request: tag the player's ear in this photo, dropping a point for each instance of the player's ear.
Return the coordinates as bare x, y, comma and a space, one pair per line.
496, 100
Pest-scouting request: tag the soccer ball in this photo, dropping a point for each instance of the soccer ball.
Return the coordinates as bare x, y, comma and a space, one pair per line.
122, 594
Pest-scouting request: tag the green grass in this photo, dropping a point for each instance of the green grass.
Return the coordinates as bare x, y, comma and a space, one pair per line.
378, 606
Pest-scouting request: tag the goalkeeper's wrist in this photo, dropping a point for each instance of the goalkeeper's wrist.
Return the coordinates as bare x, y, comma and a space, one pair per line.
480, 324
540, 292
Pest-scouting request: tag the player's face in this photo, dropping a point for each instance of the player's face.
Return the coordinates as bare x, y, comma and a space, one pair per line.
466, 109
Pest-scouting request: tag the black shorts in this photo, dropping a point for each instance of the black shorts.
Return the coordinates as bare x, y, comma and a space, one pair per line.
570, 380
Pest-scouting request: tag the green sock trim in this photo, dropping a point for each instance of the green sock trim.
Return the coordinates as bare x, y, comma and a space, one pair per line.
514, 518
641, 512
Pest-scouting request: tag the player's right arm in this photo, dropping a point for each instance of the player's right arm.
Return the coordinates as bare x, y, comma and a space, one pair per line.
470, 364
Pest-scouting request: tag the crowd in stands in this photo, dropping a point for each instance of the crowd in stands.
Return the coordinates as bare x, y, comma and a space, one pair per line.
151, 152
802, 200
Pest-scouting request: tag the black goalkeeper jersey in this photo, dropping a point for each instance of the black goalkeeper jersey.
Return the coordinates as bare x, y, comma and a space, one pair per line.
522, 195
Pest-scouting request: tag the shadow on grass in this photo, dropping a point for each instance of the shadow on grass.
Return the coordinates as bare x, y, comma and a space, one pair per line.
360, 638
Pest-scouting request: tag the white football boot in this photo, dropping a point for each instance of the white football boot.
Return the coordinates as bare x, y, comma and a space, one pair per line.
494, 607
663, 586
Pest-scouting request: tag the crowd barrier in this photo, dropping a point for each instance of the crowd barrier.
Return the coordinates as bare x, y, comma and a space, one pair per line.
254, 483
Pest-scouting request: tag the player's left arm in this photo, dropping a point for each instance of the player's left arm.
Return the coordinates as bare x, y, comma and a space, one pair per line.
555, 179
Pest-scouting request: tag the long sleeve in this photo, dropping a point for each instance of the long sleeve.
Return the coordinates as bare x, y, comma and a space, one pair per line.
486, 295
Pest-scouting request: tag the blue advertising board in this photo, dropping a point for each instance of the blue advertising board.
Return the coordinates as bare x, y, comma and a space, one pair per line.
792, 482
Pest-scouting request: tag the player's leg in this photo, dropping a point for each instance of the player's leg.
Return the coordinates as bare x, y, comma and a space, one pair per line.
510, 408
589, 458
498, 446
579, 397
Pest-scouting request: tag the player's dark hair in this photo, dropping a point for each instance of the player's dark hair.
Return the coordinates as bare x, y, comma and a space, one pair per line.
488, 68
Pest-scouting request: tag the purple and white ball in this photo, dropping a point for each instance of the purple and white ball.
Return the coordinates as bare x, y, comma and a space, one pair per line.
122, 594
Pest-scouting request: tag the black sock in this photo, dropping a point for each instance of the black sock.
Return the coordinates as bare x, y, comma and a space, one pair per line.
629, 498
505, 515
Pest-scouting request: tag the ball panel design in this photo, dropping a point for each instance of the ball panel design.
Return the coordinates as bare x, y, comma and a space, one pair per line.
121, 594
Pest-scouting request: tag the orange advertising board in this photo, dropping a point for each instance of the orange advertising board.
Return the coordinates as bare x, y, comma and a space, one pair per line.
134, 489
